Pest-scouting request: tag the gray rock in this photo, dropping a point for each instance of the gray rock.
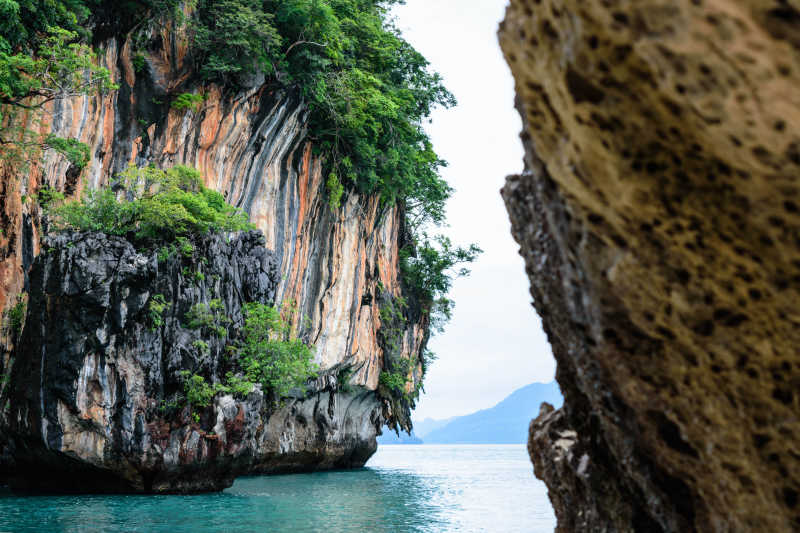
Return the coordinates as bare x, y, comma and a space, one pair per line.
95, 397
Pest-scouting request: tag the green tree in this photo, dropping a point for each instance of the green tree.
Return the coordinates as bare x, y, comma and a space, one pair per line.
269, 354
233, 38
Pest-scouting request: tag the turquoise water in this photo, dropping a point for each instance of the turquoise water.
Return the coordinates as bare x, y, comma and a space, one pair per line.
422, 488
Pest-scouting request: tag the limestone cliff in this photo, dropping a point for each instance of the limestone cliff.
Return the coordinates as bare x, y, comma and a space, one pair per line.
97, 382
336, 266
658, 216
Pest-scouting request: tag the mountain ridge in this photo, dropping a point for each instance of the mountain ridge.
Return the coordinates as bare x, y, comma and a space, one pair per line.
504, 423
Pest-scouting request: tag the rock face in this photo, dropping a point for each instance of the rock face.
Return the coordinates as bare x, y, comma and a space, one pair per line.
95, 398
337, 266
659, 217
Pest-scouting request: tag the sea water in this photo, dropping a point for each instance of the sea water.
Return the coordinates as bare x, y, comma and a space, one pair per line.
403, 488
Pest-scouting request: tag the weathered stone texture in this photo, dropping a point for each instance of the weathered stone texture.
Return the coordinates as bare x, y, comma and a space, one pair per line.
336, 266
659, 218
95, 397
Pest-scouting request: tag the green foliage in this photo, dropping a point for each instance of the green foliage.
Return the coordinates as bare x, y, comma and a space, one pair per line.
186, 101
209, 317
48, 196
233, 38
368, 92
155, 311
152, 204
165, 252
139, 62
343, 379
61, 67
269, 354
199, 393
201, 346
166, 406
428, 271
97, 210
393, 322
394, 382
367, 89
335, 191
185, 246
76, 152
428, 357
40, 62
16, 315
239, 386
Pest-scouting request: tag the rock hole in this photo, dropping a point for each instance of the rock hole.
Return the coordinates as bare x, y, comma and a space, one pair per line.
704, 328
620, 17
761, 440
670, 433
594, 218
549, 30
785, 396
581, 89
790, 497
619, 241
664, 332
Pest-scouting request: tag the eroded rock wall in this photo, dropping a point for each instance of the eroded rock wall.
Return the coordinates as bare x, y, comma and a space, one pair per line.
254, 147
659, 219
336, 266
96, 396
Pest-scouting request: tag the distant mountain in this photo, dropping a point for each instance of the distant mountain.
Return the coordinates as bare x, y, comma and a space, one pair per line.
390, 437
423, 427
505, 423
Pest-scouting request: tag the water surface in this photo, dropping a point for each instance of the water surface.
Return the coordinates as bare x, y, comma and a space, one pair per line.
404, 488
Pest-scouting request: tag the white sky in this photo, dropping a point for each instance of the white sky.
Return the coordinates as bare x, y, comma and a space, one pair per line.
495, 343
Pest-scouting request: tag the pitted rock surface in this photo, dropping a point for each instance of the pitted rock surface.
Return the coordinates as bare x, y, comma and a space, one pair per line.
659, 218
94, 401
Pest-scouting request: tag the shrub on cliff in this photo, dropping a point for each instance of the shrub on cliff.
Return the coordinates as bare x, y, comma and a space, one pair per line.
269, 354
151, 204
266, 352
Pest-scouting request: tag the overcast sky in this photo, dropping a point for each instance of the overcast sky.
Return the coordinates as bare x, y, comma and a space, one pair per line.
495, 343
